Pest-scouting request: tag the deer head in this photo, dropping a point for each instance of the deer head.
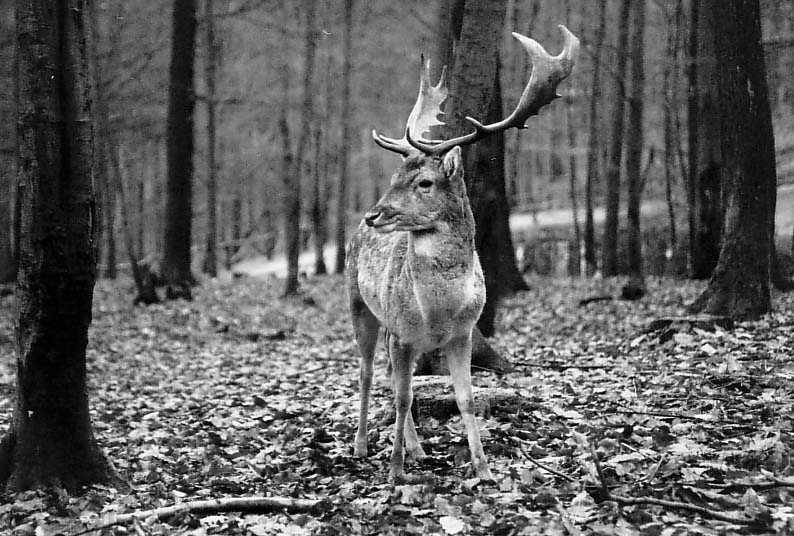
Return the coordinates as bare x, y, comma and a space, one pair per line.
426, 192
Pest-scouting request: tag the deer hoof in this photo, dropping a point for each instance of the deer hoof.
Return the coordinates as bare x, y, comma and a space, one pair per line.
360, 451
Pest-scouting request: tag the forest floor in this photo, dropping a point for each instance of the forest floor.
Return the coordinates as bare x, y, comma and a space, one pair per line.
241, 393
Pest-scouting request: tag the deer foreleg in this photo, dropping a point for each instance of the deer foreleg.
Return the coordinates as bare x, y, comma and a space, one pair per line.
402, 360
413, 444
458, 354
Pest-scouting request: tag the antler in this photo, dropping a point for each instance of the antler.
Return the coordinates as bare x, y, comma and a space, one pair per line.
424, 114
547, 73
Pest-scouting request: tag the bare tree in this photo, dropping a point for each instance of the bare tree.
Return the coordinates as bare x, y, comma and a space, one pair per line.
50, 441
179, 191
341, 193
670, 93
609, 264
634, 146
593, 142
739, 285
210, 69
295, 165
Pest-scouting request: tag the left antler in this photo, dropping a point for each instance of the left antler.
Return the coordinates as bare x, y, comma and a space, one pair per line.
424, 114
547, 73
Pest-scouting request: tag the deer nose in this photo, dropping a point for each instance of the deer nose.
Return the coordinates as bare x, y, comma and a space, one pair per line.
371, 216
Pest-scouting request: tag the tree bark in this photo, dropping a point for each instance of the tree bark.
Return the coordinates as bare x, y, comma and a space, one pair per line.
609, 264
593, 143
739, 285
634, 147
8, 271
179, 190
8, 197
704, 191
210, 69
347, 127
50, 441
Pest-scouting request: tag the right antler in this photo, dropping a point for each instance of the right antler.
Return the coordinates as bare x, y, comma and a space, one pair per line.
547, 73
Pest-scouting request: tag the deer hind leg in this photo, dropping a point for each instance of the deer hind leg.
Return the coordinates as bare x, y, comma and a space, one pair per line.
402, 360
413, 446
458, 353
365, 326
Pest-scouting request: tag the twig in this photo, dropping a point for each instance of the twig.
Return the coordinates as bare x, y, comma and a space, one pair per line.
664, 414
214, 506
600, 471
544, 467
633, 501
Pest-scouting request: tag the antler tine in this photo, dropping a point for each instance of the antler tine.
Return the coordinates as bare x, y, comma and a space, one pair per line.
547, 73
423, 116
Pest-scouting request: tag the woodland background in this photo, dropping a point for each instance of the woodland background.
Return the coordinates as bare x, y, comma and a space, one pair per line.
612, 416
258, 49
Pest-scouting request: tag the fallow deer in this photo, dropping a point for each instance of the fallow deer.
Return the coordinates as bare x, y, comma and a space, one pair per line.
411, 265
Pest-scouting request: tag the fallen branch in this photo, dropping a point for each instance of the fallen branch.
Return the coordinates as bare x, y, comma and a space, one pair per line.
259, 505
544, 467
676, 505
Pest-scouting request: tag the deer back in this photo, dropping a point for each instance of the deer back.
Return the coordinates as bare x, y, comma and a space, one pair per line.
412, 260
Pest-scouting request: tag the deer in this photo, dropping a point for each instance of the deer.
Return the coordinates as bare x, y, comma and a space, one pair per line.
411, 266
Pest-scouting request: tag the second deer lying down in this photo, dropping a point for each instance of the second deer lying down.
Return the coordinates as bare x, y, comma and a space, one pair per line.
412, 267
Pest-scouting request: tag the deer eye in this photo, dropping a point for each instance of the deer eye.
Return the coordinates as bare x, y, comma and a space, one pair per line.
425, 183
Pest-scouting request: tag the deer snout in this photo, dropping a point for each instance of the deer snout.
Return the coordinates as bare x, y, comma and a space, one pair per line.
371, 217
379, 216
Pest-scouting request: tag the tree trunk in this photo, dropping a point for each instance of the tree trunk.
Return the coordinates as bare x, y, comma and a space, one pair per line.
739, 285
341, 194
50, 441
593, 144
609, 264
705, 162
634, 147
319, 203
294, 164
670, 94
211, 254
179, 191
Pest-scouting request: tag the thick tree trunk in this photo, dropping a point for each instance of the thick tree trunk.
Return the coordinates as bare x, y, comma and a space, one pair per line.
50, 441
179, 190
475, 91
609, 264
704, 190
634, 147
211, 253
341, 193
739, 285
593, 143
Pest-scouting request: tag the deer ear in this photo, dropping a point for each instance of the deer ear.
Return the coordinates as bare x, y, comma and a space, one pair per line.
453, 164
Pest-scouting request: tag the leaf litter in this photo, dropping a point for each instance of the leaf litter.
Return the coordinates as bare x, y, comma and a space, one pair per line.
242, 393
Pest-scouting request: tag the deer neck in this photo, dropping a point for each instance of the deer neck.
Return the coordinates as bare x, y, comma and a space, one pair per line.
448, 246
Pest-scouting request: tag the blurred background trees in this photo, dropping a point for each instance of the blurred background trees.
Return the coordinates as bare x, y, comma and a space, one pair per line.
249, 75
